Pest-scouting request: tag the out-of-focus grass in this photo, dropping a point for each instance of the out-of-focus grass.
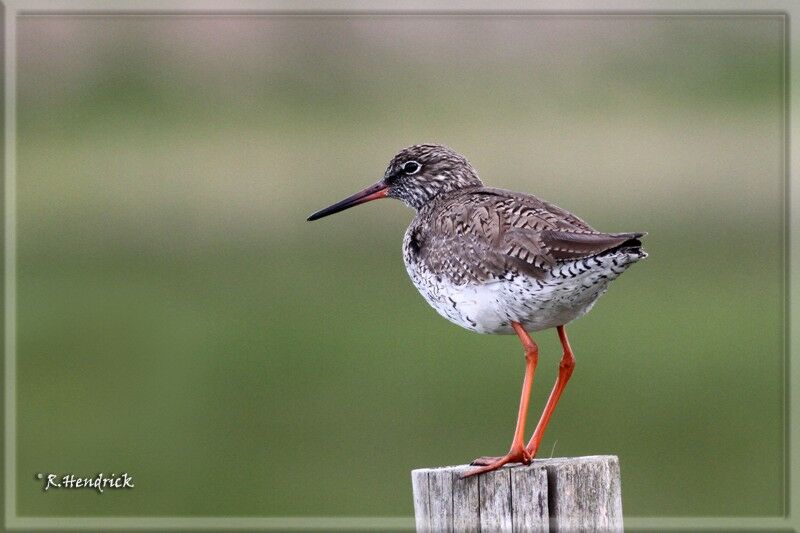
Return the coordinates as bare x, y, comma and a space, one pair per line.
179, 320
216, 375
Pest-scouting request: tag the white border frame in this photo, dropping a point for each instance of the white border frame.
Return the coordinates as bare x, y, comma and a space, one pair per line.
789, 521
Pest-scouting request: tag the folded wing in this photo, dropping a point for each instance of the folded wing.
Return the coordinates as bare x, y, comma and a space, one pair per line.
490, 234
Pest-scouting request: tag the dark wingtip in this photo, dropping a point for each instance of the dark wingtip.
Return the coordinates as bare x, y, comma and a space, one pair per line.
632, 243
630, 235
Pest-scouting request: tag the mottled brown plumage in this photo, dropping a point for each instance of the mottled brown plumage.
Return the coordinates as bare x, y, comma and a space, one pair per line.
509, 232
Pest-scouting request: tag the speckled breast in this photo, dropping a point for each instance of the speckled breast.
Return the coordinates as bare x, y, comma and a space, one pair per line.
566, 292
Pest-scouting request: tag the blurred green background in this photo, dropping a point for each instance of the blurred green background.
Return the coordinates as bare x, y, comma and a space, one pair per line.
179, 320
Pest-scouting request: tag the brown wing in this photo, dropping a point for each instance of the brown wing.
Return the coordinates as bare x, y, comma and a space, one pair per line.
488, 233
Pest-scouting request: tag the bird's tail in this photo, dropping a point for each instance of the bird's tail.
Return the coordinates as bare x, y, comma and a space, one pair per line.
631, 247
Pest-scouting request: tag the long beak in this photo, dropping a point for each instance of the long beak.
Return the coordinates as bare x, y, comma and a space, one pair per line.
373, 192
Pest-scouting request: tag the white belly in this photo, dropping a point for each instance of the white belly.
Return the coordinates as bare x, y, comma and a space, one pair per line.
569, 291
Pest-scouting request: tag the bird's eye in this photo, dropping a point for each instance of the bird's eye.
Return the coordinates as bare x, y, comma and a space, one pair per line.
411, 167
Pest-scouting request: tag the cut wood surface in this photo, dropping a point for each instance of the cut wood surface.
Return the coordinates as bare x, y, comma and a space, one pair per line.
562, 494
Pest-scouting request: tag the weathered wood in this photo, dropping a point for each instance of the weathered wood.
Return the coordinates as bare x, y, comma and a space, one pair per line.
564, 494
585, 494
441, 482
466, 502
422, 507
529, 507
494, 494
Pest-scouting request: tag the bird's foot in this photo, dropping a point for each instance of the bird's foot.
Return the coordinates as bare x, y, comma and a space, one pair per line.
516, 456
487, 463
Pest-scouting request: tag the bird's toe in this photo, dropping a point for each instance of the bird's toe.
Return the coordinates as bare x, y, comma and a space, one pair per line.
485, 460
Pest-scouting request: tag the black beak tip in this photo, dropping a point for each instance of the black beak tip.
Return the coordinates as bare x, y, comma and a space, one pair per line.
316, 215
372, 192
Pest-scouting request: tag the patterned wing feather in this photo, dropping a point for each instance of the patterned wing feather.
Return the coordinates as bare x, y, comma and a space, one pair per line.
488, 233
454, 257
566, 245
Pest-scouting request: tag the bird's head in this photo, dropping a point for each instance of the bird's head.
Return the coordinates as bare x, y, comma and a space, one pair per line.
416, 175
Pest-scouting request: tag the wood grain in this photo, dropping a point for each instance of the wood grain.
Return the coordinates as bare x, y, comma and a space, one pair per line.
563, 494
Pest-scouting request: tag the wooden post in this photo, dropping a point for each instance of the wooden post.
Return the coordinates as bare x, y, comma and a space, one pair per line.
556, 495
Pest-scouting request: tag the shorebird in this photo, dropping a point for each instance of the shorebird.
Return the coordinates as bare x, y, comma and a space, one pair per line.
496, 261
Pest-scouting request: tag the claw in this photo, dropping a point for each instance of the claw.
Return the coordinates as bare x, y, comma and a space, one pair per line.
485, 460
488, 468
488, 463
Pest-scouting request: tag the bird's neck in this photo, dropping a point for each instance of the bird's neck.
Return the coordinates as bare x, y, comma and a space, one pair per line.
444, 196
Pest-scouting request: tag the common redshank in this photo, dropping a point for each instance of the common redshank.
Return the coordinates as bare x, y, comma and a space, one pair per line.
496, 261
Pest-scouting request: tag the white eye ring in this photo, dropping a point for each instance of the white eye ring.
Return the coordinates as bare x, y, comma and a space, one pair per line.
409, 172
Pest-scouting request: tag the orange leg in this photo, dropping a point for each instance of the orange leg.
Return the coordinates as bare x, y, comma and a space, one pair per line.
564, 372
517, 453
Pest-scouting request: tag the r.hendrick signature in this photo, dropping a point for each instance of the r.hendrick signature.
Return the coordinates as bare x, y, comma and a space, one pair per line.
99, 482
